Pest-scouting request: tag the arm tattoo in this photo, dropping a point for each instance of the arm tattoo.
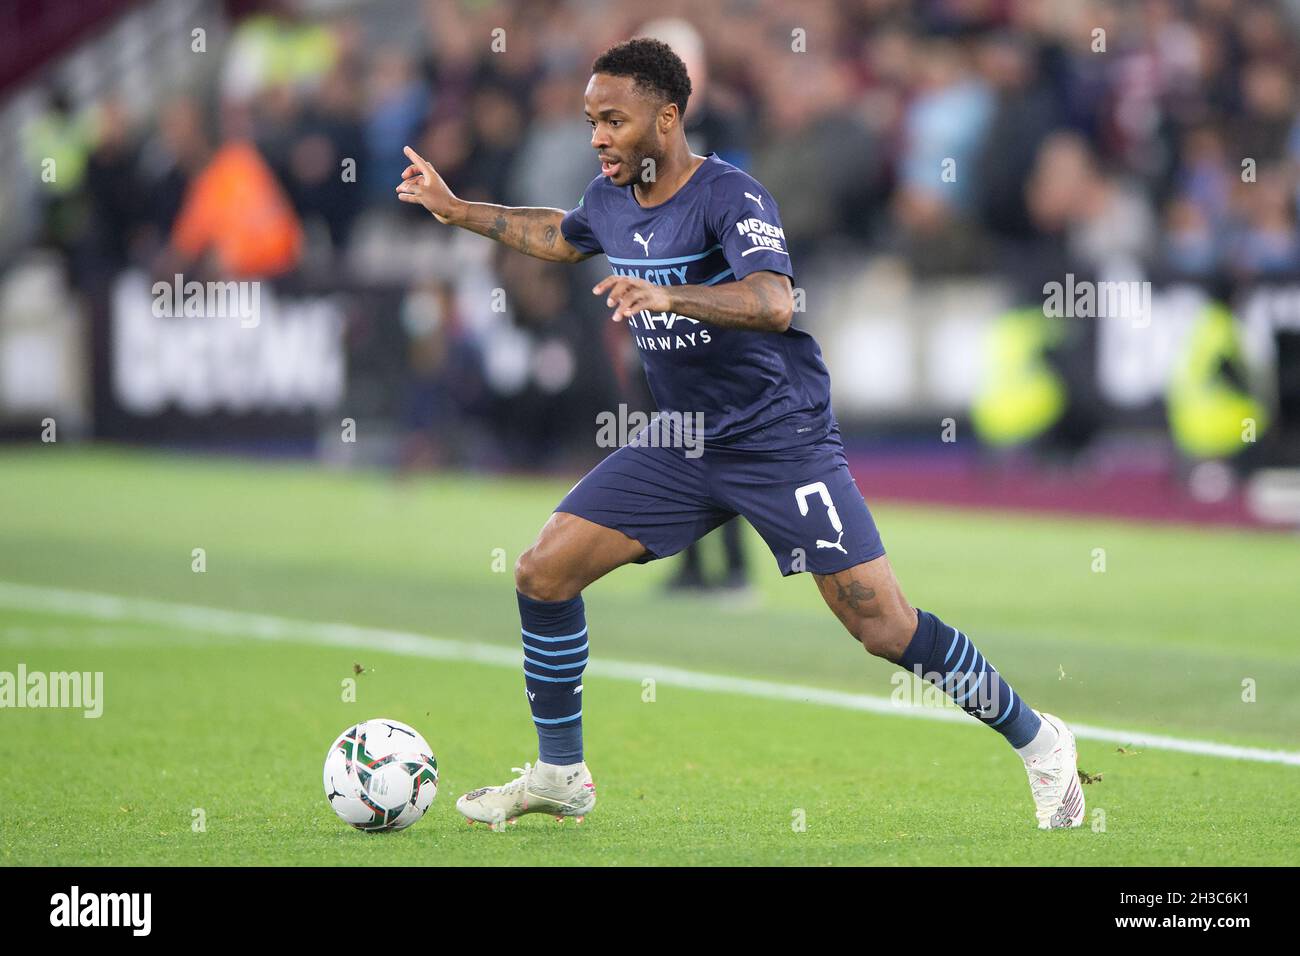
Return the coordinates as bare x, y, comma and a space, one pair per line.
764, 299
761, 301
534, 231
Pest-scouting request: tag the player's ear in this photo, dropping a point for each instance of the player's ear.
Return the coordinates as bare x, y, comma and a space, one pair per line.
668, 116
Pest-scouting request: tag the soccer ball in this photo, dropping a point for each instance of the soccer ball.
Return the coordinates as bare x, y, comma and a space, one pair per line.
380, 775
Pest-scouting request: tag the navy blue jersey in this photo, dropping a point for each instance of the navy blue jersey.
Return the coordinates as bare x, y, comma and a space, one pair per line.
756, 390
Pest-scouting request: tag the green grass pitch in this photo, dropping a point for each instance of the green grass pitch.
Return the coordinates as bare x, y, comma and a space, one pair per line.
235, 725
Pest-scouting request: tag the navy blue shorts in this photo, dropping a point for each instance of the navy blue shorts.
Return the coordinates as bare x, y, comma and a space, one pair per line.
803, 501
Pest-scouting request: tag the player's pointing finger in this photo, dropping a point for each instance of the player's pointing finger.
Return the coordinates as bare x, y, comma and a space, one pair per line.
422, 165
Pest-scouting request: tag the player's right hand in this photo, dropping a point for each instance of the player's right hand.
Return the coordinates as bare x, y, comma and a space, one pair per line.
422, 184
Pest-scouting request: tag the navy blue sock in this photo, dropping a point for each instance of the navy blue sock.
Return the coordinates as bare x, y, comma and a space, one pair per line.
948, 659
555, 653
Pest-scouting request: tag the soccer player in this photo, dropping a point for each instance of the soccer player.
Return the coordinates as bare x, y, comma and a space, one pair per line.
702, 278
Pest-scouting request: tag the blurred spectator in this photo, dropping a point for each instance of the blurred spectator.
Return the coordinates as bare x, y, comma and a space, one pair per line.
444, 386
1100, 217
112, 186
944, 129
323, 160
236, 216
1266, 240
714, 120
277, 48
58, 144
555, 161
397, 101
817, 158
1024, 112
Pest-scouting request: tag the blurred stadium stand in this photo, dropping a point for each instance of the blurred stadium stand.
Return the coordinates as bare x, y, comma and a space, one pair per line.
1170, 157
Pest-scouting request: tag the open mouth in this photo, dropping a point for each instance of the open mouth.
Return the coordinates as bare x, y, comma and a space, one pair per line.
610, 168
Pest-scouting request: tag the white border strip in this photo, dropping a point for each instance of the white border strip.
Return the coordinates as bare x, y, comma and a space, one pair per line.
270, 628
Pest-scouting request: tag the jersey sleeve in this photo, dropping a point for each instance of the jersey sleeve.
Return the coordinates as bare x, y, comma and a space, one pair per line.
576, 228
745, 220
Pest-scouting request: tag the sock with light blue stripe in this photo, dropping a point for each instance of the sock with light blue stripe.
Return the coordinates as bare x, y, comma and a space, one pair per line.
949, 659
555, 654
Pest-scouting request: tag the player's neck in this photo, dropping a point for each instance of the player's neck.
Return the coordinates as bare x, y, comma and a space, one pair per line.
678, 169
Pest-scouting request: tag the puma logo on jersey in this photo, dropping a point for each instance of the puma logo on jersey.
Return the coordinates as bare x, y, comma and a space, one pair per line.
757, 199
832, 544
645, 243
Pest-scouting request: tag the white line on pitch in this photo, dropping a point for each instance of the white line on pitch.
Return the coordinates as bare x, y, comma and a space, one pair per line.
271, 628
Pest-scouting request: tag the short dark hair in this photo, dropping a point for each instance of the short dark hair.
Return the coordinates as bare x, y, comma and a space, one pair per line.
653, 65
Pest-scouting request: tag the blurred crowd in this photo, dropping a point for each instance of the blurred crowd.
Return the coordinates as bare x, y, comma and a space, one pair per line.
1013, 137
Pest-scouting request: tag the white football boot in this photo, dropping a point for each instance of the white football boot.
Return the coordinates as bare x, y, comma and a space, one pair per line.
540, 788
1054, 781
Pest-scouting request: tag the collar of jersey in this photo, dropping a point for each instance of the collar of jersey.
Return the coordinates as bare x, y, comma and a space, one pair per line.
631, 190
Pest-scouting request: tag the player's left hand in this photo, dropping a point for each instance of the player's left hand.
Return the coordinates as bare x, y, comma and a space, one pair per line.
629, 295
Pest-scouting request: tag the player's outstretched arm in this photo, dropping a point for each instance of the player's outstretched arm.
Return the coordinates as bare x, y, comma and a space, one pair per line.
762, 301
534, 231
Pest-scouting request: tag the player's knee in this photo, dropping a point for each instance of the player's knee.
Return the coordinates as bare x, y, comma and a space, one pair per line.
539, 580
887, 634
528, 575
